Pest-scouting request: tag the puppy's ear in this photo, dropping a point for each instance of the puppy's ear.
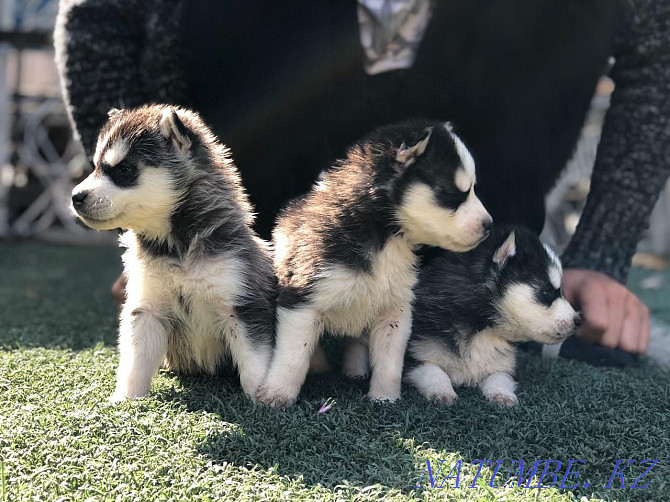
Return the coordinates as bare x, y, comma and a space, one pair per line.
407, 155
114, 113
449, 127
173, 129
505, 251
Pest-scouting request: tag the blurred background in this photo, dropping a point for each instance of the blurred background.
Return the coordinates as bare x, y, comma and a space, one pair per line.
39, 159
38, 156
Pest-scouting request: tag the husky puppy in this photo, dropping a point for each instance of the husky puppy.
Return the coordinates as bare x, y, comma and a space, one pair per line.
201, 286
345, 252
471, 307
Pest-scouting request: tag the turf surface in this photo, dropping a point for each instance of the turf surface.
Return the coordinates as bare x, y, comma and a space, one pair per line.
200, 439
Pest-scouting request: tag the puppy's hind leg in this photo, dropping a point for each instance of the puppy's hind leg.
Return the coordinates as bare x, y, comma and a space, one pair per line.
298, 331
499, 388
432, 382
142, 349
319, 364
388, 340
355, 360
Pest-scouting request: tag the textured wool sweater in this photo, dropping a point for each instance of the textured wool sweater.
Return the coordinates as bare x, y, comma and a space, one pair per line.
521, 114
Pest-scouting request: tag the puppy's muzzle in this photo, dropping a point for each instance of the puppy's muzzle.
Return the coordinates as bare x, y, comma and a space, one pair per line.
487, 224
78, 200
568, 328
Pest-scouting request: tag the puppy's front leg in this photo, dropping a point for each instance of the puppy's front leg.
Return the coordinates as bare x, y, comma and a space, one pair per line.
298, 331
142, 349
388, 340
432, 382
252, 359
499, 388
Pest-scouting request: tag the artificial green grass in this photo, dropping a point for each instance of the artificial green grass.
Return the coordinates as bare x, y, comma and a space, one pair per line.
200, 439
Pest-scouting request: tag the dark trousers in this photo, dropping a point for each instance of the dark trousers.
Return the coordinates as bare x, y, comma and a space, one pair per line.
283, 85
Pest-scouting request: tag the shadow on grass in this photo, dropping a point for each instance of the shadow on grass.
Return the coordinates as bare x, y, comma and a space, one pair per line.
568, 411
57, 296
60, 297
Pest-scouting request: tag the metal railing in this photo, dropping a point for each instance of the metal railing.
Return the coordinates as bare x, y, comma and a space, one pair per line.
38, 155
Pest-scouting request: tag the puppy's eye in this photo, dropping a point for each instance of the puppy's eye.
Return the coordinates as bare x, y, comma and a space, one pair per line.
451, 199
548, 295
126, 168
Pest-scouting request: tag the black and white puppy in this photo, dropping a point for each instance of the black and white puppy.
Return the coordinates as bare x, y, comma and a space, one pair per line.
345, 253
471, 307
201, 285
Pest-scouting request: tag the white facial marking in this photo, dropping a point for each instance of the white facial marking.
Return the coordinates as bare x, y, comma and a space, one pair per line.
524, 318
465, 155
426, 222
463, 180
104, 141
555, 271
145, 208
116, 153
555, 277
563, 311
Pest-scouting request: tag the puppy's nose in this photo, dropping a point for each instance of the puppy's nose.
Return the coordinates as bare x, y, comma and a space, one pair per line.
79, 198
487, 224
578, 321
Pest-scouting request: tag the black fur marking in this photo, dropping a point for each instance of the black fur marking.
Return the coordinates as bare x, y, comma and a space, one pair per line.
258, 314
350, 221
124, 174
457, 293
450, 199
437, 169
293, 296
547, 294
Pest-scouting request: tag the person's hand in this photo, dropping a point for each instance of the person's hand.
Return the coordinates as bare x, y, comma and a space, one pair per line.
119, 290
611, 314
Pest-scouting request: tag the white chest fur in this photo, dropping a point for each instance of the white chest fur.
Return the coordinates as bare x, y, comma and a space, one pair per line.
349, 300
486, 354
199, 294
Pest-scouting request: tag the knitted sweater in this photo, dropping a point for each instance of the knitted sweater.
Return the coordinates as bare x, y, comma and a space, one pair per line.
123, 53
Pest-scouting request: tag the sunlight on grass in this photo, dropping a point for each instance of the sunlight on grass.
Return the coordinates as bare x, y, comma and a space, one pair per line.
201, 439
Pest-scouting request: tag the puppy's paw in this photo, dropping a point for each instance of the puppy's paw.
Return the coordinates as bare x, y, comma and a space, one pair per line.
250, 385
499, 388
384, 397
117, 397
275, 397
503, 399
445, 397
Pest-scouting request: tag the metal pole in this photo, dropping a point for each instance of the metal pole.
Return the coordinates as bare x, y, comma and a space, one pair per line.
6, 23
